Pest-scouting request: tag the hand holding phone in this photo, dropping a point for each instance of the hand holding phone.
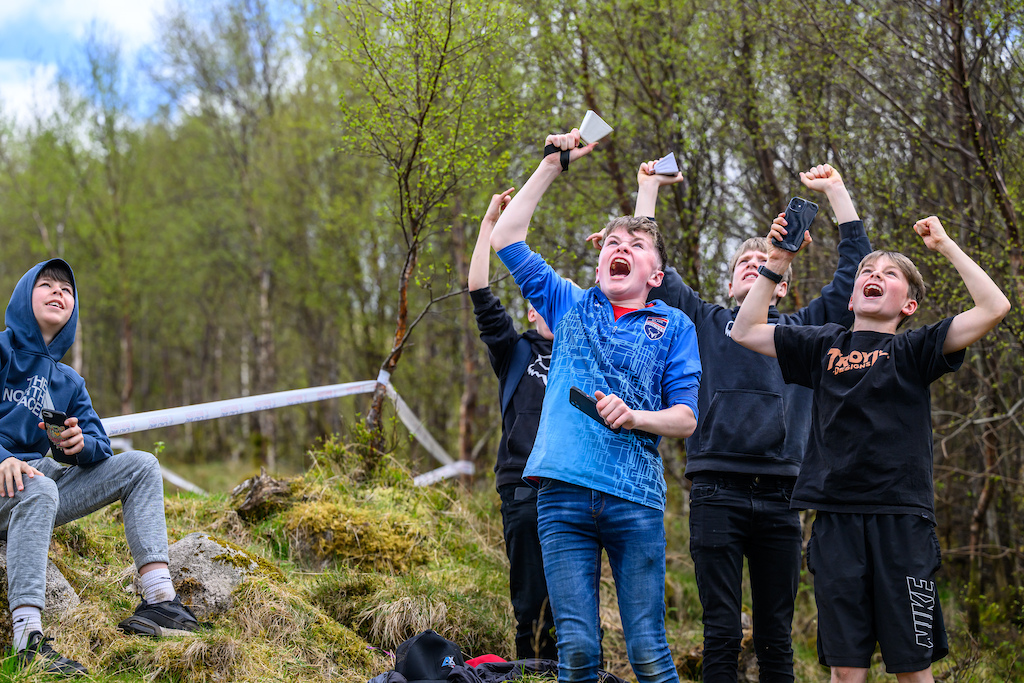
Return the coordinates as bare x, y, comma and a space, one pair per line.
799, 215
53, 420
588, 405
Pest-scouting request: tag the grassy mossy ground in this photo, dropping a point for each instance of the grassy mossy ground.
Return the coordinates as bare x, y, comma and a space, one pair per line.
368, 562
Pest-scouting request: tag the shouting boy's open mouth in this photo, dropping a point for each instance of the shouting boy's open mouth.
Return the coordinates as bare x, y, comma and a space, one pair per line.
872, 290
619, 267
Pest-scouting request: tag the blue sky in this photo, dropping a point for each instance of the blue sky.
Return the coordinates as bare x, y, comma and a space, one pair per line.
38, 37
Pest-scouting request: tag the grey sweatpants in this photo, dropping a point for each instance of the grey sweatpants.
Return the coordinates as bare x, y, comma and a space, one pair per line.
67, 494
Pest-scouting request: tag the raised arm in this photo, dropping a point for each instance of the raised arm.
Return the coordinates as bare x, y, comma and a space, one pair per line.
990, 304
827, 180
648, 183
751, 328
480, 263
514, 222
833, 304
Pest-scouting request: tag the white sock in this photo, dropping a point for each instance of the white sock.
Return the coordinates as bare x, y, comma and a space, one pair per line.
26, 619
157, 586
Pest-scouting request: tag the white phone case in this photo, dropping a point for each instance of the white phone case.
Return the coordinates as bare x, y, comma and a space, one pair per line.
593, 128
667, 165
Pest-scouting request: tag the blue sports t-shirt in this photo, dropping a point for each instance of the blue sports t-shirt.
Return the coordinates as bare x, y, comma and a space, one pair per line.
647, 357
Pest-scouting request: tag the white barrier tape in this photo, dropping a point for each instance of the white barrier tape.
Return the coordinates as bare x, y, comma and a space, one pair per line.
233, 406
453, 470
413, 424
169, 417
180, 482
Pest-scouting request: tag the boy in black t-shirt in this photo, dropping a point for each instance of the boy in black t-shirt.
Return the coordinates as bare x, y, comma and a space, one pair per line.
868, 465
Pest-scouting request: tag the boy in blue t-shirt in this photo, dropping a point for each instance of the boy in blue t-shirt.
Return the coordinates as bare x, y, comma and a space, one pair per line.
601, 488
868, 466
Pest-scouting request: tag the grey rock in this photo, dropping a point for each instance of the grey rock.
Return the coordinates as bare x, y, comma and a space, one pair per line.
206, 569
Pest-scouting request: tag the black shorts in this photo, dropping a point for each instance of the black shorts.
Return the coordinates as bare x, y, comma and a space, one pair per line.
874, 581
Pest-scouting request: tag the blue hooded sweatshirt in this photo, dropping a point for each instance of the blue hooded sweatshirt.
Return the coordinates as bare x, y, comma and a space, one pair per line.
32, 379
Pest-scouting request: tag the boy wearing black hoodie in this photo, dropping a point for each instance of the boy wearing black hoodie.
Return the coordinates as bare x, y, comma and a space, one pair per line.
520, 418
38, 493
746, 452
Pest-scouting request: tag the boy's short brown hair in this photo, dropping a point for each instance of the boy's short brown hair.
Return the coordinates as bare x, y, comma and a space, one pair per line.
56, 270
915, 283
641, 224
756, 244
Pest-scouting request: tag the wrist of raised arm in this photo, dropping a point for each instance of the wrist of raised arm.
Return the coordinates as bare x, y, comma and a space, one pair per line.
949, 249
779, 264
836, 190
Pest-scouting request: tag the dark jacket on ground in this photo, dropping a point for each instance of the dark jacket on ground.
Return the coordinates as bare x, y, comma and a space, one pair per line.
521, 418
498, 672
751, 421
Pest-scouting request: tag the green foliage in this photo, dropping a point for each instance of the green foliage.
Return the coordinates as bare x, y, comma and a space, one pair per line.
287, 211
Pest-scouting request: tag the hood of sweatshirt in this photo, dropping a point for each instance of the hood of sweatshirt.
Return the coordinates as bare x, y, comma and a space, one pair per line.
21, 320
32, 379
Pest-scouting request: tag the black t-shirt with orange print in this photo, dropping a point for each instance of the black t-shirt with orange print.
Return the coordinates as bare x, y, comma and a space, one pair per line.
870, 447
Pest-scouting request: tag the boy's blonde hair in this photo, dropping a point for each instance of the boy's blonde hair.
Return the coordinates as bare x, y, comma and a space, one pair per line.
915, 283
641, 224
756, 244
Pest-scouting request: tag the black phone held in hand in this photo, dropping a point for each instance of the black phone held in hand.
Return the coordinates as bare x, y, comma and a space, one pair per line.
588, 405
53, 420
799, 215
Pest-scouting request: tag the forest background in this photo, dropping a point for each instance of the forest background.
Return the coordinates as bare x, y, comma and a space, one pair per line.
296, 204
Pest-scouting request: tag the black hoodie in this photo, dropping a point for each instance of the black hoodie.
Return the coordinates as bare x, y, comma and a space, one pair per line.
522, 417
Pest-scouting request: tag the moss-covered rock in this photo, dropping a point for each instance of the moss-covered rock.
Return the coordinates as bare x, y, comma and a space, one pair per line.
327, 532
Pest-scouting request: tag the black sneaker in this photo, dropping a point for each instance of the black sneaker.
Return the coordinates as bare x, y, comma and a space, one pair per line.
168, 618
39, 655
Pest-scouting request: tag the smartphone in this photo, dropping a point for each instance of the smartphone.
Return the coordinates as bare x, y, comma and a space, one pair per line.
799, 215
54, 422
588, 405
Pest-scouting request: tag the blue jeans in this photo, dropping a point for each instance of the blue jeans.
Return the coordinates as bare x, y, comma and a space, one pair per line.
574, 523
732, 516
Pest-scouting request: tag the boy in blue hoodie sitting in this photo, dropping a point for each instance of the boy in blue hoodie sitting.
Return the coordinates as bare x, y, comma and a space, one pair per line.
37, 493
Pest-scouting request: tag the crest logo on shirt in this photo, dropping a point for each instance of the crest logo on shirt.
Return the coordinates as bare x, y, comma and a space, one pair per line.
655, 328
448, 661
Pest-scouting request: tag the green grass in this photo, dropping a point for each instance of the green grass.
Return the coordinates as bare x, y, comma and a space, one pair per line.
341, 607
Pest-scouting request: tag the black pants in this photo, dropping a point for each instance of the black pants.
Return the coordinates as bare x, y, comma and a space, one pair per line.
529, 591
737, 516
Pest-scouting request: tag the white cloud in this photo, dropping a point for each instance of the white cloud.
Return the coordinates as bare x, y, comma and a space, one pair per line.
48, 30
14, 9
27, 89
131, 21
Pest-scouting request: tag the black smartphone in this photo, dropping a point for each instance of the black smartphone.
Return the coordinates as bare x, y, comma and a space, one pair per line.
799, 215
54, 422
588, 405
